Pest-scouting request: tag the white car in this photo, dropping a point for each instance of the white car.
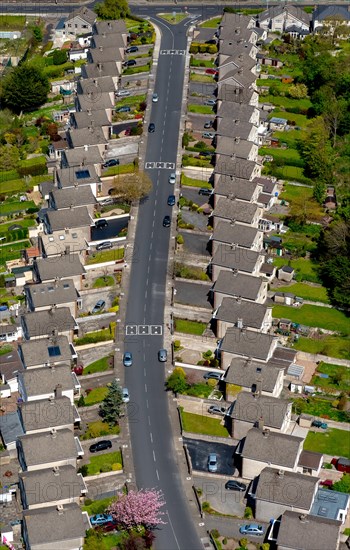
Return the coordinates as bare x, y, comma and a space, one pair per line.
126, 396
122, 93
155, 98
172, 178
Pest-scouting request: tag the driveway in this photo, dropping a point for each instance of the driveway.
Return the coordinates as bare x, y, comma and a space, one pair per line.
90, 298
206, 89
192, 194
219, 498
196, 121
110, 231
195, 243
193, 294
199, 451
229, 527
200, 221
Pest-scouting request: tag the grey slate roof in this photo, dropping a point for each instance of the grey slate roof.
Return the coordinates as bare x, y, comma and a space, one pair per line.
247, 343
115, 40
68, 265
73, 196
235, 187
203, 34
310, 459
235, 111
232, 94
110, 27
60, 242
104, 54
245, 373
86, 136
238, 284
232, 128
97, 70
95, 100
276, 11
10, 365
287, 489
242, 235
237, 76
251, 314
234, 257
231, 48
85, 13
10, 427
44, 323
296, 532
329, 12
237, 210
36, 352
268, 184
83, 157
49, 294
55, 528
69, 218
38, 381
92, 85
270, 410
272, 447
47, 447
86, 119
63, 483
226, 146
46, 413
68, 176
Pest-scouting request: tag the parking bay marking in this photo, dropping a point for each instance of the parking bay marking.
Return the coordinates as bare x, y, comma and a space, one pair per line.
143, 330
160, 165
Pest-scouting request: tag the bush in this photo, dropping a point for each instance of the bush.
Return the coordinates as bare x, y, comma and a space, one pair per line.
59, 57
179, 239
177, 345
193, 49
83, 470
215, 533
88, 501
105, 468
248, 512
224, 541
116, 467
243, 543
81, 401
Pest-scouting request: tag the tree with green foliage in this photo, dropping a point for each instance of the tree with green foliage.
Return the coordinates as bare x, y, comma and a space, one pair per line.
37, 34
112, 405
133, 188
317, 153
59, 57
9, 157
113, 9
343, 485
297, 91
177, 382
24, 88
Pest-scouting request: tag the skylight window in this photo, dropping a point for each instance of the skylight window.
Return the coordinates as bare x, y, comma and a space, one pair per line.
81, 174
54, 351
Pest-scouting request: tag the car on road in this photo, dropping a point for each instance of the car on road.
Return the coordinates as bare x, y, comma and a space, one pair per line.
172, 178
211, 71
122, 93
211, 102
208, 135
99, 306
215, 409
209, 124
101, 223
155, 98
104, 246
162, 355
125, 395
166, 221
233, 485
212, 375
171, 200
319, 424
212, 463
129, 63
127, 359
123, 109
204, 191
100, 446
111, 162
132, 49
101, 519
252, 529
151, 127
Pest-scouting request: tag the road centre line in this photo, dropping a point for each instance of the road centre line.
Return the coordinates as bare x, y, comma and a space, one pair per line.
151, 436
149, 420
154, 456
146, 390
157, 474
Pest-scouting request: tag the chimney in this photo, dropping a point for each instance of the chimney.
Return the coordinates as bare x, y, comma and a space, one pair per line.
60, 509
56, 471
239, 323
237, 30
89, 112
233, 223
233, 156
233, 246
86, 147
303, 518
237, 121
53, 433
237, 139
109, 24
101, 48
67, 249
239, 299
89, 94
66, 230
280, 473
58, 391
240, 70
95, 82
104, 35
99, 67
261, 424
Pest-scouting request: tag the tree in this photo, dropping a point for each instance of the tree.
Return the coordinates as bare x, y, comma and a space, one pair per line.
297, 91
319, 191
112, 9
9, 157
59, 57
177, 381
138, 508
316, 151
136, 186
343, 485
37, 34
334, 114
24, 88
111, 406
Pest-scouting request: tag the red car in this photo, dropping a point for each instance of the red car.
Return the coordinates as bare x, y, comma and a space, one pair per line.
211, 71
326, 483
341, 464
107, 527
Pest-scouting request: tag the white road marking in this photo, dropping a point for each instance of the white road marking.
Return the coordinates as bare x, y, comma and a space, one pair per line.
154, 456
151, 436
149, 420
172, 528
157, 475
146, 392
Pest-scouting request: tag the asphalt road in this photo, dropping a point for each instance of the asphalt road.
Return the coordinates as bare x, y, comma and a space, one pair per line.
151, 436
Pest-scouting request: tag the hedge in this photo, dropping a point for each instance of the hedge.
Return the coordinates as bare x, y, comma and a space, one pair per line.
8, 175
33, 167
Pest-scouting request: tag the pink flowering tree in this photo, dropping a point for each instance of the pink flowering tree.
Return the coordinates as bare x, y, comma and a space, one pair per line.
138, 508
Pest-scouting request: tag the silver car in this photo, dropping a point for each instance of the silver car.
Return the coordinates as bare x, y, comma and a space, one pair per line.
212, 463
172, 178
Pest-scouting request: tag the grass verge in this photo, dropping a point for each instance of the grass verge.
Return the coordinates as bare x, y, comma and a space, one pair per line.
333, 442
196, 423
201, 109
211, 23
101, 282
97, 506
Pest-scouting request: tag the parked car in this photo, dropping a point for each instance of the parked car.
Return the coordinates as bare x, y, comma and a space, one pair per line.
252, 529
132, 49
101, 519
171, 200
212, 375
129, 63
106, 202
104, 246
209, 124
212, 463
162, 355
166, 221
208, 135
204, 191
127, 359
123, 109
155, 98
125, 395
107, 527
211, 71
233, 485
172, 178
215, 409
111, 162
99, 306
326, 483
78, 370
122, 93
101, 223
151, 127
319, 424
341, 464
211, 102
100, 446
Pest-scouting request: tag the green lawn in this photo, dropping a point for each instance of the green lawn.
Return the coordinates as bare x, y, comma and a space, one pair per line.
291, 173
189, 327
12, 251
300, 120
312, 293
315, 316
194, 183
285, 102
291, 137
332, 346
102, 335
305, 268
98, 506
200, 77
12, 22
100, 365
130, 100
120, 169
106, 256
14, 207
288, 156
333, 442
101, 282
104, 463
339, 377
99, 429
96, 396
201, 62
211, 23
137, 69
14, 186
174, 20
322, 408
202, 109
291, 192
196, 423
